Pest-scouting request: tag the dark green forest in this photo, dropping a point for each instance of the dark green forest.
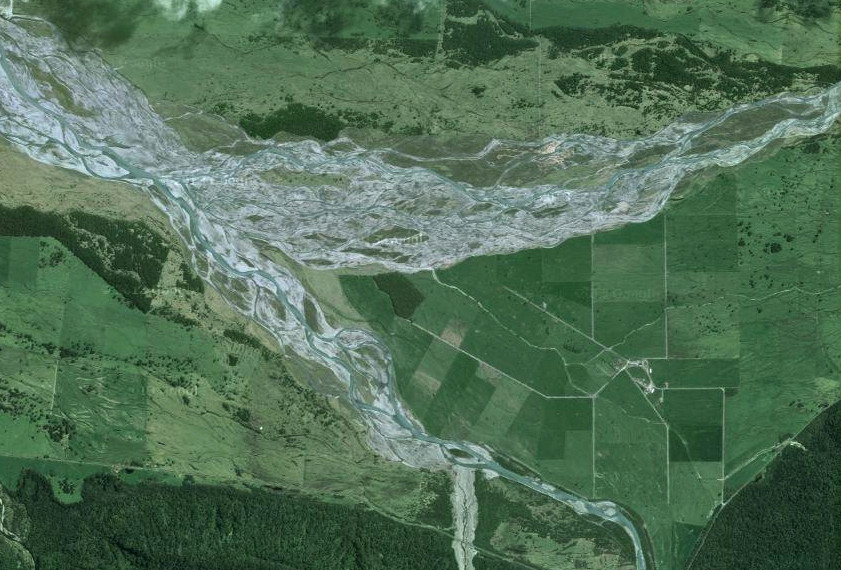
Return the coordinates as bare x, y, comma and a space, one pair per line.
152, 526
129, 256
790, 517
295, 118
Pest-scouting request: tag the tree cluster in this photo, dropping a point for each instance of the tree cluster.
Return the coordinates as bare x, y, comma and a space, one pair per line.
153, 526
790, 517
127, 255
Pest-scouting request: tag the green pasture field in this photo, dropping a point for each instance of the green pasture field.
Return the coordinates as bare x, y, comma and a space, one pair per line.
91, 385
210, 380
660, 365
391, 71
86, 380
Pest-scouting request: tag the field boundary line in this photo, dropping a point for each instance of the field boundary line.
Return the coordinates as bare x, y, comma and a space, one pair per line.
723, 440
514, 334
560, 320
693, 388
593, 437
91, 463
665, 290
592, 285
668, 469
55, 385
491, 366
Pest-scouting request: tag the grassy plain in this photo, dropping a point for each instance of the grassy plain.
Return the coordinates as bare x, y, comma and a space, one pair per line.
711, 340
730, 297
147, 398
87, 380
184, 391
90, 383
494, 68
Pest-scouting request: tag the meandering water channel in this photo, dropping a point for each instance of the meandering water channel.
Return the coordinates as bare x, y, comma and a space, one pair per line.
394, 209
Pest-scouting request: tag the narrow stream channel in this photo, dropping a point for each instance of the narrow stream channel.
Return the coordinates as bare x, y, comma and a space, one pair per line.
225, 210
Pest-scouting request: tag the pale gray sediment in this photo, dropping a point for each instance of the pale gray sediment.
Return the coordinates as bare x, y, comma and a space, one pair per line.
465, 516
223, 207
3, 530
